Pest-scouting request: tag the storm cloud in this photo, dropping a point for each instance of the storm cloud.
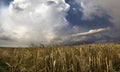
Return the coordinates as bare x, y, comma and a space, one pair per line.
57, 21
28, 20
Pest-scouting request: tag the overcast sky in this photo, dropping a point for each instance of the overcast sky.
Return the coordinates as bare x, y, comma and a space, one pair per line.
58, 21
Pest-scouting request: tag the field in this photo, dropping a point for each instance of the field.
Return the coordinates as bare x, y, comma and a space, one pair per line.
83, 58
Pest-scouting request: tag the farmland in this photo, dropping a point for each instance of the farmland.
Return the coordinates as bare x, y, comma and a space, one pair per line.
83, 58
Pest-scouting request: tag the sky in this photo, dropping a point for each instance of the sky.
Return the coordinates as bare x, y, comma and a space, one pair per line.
66, 22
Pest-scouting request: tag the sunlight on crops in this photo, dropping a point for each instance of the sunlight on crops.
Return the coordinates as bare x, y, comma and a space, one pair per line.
84, 58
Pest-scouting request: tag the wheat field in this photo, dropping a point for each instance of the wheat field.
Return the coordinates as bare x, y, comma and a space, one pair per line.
83, 58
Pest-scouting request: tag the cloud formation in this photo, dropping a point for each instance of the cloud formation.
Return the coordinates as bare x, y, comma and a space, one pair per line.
28, 20
93, 9
91, 32
58, 21
100, 8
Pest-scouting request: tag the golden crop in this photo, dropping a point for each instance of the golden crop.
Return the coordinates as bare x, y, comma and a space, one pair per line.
84, 58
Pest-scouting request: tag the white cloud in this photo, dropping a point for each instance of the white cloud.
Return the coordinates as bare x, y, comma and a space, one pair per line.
44, 20
91, 32
31, 20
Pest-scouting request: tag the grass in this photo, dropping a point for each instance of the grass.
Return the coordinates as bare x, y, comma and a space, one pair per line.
84, 58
